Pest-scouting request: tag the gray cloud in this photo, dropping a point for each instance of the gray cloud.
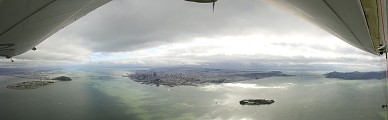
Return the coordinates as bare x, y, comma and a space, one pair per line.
130, 25
58, 48
125, 25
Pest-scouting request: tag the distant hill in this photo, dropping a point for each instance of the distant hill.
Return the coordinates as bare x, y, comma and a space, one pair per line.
356, 75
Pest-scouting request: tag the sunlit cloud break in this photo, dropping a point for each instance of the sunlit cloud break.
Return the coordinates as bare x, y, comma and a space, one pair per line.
245, 86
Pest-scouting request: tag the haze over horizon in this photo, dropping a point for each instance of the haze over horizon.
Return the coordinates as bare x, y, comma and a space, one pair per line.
241, 34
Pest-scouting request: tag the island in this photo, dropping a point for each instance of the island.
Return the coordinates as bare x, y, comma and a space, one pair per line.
36, 84
30, 84
256, 102
62, 78
197, 76
356, 75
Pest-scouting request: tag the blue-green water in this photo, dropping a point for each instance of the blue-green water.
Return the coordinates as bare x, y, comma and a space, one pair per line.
118, 98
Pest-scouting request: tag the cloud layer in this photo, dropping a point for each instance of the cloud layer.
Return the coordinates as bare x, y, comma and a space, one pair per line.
175, 32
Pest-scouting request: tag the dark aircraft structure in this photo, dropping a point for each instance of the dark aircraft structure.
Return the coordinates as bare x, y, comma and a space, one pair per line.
205, 1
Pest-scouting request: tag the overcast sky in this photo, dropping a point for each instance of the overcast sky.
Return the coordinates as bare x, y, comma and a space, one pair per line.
240, 33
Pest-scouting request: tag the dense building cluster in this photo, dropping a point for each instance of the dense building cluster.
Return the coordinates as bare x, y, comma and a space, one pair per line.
194, 77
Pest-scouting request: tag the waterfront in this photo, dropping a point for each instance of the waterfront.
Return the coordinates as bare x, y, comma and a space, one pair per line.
297, 98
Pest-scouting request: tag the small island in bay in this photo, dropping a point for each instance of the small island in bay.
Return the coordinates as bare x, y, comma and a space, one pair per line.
62, 78
197, 76
256, 102
356, 75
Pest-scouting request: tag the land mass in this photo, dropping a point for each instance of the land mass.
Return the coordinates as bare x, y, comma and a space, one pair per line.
62, 78
256, 102
36, 84
197, 76
30, 84
356, 75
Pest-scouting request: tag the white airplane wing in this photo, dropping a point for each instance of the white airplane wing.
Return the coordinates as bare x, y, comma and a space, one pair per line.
361, 23
202, 1
26, 23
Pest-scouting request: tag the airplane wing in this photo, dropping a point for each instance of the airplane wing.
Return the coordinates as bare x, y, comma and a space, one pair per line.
26, 23
361, 23
202, 1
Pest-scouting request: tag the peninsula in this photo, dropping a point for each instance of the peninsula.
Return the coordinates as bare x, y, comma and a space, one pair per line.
197, 76
356, 75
